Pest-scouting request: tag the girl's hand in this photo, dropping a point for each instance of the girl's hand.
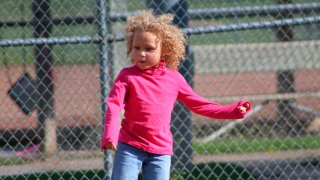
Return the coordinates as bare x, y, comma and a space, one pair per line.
112, 146
244, 108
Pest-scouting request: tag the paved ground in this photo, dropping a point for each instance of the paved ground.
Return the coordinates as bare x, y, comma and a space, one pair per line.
275, 165
284, 169
71, 161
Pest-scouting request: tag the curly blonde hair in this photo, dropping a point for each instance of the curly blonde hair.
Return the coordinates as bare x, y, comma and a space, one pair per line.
172, 38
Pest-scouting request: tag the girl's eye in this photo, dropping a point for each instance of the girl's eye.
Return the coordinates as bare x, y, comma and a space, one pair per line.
136, 48
149, 49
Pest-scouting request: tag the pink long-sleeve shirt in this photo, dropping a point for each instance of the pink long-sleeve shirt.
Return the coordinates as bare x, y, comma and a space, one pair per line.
148, 97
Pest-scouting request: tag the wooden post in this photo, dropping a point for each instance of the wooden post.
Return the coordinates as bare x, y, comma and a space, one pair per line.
44, 70
286, 120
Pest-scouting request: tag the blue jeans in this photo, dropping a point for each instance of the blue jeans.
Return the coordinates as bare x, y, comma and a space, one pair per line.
129, 161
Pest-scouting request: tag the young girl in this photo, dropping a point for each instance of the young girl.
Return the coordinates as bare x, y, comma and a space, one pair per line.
148, 91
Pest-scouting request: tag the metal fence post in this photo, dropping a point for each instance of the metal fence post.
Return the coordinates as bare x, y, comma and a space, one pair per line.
102, 8
181, 118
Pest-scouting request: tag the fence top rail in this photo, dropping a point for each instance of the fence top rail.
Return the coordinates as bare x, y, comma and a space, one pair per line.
194, 14
50, 41
187, 31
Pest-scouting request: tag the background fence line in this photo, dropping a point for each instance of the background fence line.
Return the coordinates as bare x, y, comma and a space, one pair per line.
188, 31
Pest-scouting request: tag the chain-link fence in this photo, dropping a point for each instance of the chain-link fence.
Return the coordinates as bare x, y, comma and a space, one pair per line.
59, 58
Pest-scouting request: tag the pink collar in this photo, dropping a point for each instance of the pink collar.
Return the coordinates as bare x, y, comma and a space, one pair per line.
155, 71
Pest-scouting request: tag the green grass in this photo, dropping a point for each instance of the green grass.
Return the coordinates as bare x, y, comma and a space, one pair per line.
12, 160
235, 145
258, 145
248, 36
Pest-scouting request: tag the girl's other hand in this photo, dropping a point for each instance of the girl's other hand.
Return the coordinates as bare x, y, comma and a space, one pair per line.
112, 146
244, 108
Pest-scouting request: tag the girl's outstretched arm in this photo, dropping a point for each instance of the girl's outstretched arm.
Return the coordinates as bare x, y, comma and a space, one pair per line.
204, 107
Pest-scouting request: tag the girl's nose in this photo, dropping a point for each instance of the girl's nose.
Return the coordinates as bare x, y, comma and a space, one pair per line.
142, 53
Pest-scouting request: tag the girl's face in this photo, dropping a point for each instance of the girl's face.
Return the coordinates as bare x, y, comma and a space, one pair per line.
146, 50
